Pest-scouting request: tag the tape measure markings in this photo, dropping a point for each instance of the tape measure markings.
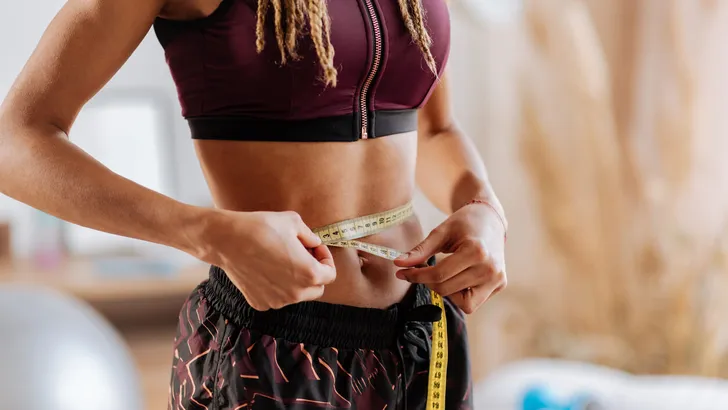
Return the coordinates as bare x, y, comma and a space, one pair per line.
437, 380
344, 234
378, 250
360, 227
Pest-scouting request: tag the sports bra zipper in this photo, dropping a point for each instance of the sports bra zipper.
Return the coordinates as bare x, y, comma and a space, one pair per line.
363, 99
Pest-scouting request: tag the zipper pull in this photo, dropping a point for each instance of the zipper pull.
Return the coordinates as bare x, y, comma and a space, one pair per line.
364, 134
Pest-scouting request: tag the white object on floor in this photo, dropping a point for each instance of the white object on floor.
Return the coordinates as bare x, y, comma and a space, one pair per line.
614, 390
57, 353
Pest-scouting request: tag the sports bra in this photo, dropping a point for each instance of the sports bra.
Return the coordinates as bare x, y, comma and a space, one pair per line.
229, 91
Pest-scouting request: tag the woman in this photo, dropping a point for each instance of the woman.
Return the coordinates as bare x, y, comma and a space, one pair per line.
304, 113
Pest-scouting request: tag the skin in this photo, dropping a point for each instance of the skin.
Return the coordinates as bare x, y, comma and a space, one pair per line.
259, 231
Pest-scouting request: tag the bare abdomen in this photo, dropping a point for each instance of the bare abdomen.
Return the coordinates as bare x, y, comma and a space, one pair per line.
325, 183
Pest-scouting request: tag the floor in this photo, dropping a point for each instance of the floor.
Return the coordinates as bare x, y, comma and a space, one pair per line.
152, 350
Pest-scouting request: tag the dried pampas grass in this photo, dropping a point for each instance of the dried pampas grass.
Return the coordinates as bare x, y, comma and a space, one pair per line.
633, 291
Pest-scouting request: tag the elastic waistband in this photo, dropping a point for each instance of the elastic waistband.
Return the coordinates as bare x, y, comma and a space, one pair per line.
333, 128
319, 323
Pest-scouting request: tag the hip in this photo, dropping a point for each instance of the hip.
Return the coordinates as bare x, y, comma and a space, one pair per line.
311, 354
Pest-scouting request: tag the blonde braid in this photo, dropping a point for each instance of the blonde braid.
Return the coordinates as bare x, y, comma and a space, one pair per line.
313, 14
279, 30
404, 7
300, 15
317, 15
327, 36
422, 37
260, 25
291, 32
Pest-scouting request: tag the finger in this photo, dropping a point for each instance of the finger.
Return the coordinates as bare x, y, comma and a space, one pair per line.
468, 278
313, 267
323, 255
311, 293
323, 268
444, 270
497, 290
422, 252
470, 300
307, 237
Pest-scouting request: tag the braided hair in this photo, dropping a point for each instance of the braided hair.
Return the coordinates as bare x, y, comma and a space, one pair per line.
290, 21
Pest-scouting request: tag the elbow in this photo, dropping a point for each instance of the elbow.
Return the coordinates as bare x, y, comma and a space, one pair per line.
14, 125
5, 125
9, 123
12, 128
6, 149
20, 135
13, 152
8, 127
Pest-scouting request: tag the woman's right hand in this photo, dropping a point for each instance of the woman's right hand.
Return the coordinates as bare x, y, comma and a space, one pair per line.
272, 257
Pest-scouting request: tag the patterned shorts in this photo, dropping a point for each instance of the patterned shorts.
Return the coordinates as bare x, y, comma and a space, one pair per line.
311, 355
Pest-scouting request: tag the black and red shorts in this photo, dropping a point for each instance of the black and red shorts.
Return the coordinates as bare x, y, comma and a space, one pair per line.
311, 355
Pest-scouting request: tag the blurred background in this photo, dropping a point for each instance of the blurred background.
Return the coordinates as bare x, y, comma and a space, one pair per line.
603, 124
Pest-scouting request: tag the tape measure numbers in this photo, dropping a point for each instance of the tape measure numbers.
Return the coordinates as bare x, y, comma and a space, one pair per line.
344, 234
438, 361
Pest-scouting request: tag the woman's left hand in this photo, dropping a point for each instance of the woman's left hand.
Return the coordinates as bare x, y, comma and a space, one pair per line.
474, 271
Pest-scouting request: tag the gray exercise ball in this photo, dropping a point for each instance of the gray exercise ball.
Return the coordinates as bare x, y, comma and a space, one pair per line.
57, 353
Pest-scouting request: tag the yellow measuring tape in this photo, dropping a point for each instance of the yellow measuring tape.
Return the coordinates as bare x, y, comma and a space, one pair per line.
344, 234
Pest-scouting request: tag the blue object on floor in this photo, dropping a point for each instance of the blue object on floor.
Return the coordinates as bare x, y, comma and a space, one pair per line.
57, 353
541, 398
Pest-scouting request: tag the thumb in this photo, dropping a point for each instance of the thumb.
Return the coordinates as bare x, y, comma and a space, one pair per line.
307, 237
422, 252
323, 255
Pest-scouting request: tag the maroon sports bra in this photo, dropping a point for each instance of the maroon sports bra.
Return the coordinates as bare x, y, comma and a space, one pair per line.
230, 92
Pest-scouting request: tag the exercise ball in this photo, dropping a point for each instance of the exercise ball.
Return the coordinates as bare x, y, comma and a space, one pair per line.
57, 353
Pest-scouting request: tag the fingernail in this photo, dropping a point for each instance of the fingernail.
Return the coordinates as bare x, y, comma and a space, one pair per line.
400, 275
403, 256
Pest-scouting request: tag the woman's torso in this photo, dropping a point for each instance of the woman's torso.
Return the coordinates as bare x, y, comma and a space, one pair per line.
220, 77
324, 184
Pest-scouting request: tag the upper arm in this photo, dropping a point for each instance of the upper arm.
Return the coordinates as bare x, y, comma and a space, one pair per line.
436, 115
82, 48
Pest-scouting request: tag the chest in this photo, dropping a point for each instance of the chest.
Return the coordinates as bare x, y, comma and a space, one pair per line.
379, 65
361, 31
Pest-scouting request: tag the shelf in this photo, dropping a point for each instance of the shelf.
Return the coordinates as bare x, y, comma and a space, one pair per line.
78, 278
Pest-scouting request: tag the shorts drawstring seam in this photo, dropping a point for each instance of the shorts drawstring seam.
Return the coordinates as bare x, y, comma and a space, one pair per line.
216, 388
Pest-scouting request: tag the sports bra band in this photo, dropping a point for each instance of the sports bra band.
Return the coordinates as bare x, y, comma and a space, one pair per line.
341, 128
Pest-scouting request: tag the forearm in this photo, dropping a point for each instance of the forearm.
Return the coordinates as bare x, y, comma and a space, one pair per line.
450, 172
40, 167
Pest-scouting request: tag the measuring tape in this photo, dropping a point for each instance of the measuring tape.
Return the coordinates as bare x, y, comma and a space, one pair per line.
344, 234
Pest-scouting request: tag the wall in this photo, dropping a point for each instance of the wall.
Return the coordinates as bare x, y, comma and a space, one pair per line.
622, 220
479, 93
21, 25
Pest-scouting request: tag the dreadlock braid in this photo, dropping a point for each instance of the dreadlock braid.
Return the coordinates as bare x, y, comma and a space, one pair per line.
318, 14
291, 24
313, 15
259, 33
277, 9
422, 38
404, 7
